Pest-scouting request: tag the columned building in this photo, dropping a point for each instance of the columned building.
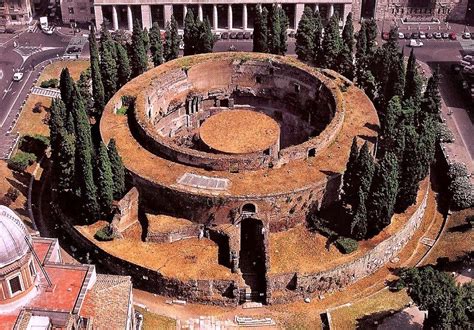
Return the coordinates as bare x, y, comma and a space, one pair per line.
221, 14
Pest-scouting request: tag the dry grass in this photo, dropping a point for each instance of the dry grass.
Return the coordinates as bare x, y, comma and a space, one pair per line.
186, 259
32, 122
239, 131
53, 70
346, 317
300, 250
163, 223
153, 321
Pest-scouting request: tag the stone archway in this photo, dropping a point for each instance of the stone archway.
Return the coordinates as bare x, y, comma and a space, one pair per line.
252, 258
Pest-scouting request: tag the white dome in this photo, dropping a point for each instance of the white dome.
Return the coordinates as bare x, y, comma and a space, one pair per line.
13, 245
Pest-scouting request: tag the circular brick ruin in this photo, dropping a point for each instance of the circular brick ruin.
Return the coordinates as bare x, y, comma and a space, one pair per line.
238, 191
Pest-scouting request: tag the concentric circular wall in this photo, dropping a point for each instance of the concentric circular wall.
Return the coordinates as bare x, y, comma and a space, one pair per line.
251, 142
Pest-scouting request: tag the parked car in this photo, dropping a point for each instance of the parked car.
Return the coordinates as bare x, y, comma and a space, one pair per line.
48, 30
422, 35
17, 76
429, 35
181, 45
233, 35
401, 35
415, 35
9, 30
466, 35
407, 35
472, 35
73, 49
415, 43
247, 35
240, 35
217, 35
453, 36
225, 35
445, 35
437, 35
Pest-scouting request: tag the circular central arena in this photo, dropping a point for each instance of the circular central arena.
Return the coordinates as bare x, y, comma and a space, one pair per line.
240, 132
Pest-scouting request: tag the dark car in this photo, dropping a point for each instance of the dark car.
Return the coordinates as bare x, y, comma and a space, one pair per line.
445, 35
9, 30
240, 35
247, 35
429, 35
225, 35
472, 35
407, 35
415, 35
233, 35
73, 49
453, 36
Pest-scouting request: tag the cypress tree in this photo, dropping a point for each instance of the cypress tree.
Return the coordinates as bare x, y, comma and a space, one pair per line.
65, 163
345, 65
383, 193
56, 124
118, 170
349, 187
105, 184
317, 38
123, 65
348, 33
427, 145
359, 221
97, 86
191, 35
106, 41
396, 81
108, 71
371, 31
431, 103
146, 40
156, 46
304, 46
84, 155
391, 131
84, 87
361, 48
331, 44
274, 30
138, 58
66, 87
364, 169
171, 46
413, 81
206, 38
284, 23
410, 171
260, 31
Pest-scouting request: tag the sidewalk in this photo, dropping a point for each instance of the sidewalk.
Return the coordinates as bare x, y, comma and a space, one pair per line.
458, 122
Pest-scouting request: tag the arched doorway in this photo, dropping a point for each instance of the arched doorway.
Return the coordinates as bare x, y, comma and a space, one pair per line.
252, 257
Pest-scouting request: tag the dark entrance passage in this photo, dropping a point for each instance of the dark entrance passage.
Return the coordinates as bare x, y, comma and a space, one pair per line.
368, 9
252, 258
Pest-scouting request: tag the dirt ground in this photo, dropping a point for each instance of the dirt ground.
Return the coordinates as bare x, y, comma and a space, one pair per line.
54, 70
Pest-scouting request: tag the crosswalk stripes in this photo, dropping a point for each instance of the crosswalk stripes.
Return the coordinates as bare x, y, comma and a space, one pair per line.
48, 92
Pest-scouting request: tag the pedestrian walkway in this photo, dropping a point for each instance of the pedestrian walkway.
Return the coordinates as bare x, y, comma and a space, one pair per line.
48, 92
26, 51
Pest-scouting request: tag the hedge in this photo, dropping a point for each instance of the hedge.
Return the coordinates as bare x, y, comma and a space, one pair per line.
36, 144
346, 245
104, 234
51, 83
21, 161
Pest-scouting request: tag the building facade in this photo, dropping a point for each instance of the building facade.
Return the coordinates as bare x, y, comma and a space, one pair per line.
14, 12
81, 11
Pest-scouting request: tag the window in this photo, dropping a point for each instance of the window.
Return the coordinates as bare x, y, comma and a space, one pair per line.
71, 10
13, 17
15, 285
32, 269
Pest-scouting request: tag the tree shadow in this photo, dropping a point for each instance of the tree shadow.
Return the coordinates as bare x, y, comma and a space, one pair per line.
460, 228
391, 319
372, 127
371, 139
20, 186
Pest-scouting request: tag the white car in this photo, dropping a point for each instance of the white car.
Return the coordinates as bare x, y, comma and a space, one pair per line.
415, 43
466, 35
48, 30
17, 76
401, 35
422, 35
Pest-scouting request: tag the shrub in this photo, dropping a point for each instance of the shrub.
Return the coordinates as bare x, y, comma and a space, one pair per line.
444, 133
51, 83
460, 187
36, 144
21, 161
346, 245
104, 234
122, 111
12, 193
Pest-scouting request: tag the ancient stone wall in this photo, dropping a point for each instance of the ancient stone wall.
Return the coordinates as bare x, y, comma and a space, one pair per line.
174, 235
296, 284
126, 211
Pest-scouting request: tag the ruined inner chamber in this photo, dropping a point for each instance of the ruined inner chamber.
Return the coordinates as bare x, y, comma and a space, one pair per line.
183, 108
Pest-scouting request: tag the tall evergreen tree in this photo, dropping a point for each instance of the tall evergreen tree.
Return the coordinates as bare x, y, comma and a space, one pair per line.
260, 31
331, 44
304, 46
171, 46
349, 187
371, 31
56, 124
364, 169
317, 39
427, 145
106, 41
97, 85
396, 79
118, 170
191, 34
431, 103
138, 56
156, 45
348, 33
66, 87
108, 72
392, 130
410, 171
146, 40
274, 30
284, 23
84, 156
361, 48
65, 163
105, 184
123, 65
206, 38
345, 63
383, 193
359, 221
413, 82
84, 87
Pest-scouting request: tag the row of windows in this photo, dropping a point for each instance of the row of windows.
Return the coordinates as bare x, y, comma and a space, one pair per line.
15, 283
